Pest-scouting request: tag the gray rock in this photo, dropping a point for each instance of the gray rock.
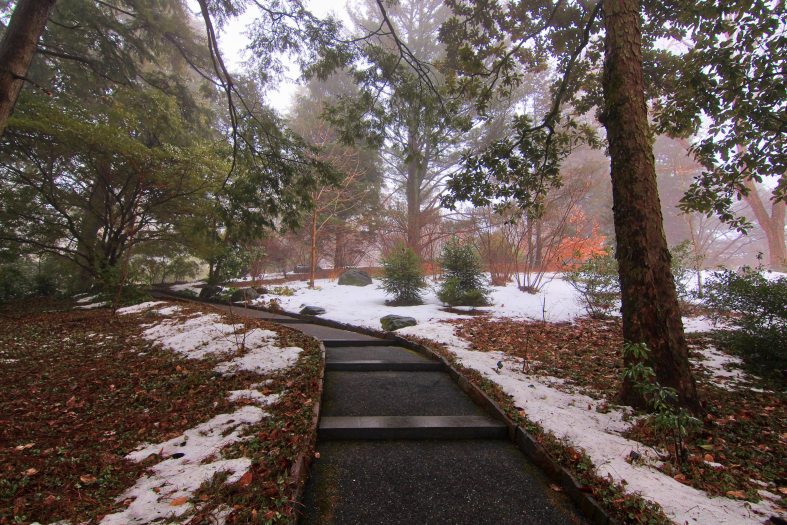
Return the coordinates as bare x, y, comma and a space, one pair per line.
312, 310
244, 294
209, 291
393, 322
355, 277
261, 290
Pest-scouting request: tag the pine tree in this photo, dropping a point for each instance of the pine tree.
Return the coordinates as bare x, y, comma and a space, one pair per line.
463, 281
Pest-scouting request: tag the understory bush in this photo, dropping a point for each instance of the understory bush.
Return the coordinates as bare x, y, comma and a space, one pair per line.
402, 276
681, 264
284, 291
463, 281
596, 280
671, 422
756, 306
25, 278
14, 281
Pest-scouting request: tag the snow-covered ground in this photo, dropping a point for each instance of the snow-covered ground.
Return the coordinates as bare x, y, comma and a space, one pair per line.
557, 301
574, 417
194, 457
567, 415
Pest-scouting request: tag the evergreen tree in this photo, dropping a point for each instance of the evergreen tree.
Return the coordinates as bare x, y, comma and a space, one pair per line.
463, 281
402, 276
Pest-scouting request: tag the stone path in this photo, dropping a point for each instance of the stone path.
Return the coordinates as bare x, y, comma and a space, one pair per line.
400, 443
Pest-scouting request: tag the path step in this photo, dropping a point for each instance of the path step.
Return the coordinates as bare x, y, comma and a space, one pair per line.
412, 427
395, 394
336, 343
384, 366
328, 333
287, 320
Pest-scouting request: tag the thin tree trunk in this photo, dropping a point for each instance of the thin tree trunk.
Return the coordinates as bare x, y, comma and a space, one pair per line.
17, 49
651, 314
339, 257
313, 258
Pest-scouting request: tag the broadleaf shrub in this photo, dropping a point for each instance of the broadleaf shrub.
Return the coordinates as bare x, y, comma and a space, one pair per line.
596, 280
757, 307
402, 276
463, 280
681, 264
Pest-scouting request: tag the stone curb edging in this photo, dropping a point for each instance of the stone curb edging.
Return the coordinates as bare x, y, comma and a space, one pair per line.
529, 446
299, 471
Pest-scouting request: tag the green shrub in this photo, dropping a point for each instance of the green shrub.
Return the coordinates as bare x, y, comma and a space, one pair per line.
597, 283
757, 307
681, 269
672, 423
14, 281
284, 291
45, 285
463, 280
402, 276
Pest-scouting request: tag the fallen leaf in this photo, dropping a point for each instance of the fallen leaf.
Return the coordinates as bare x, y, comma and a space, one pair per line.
738, 494
31, 472
709, 458
24, 447
245, 480
556, 488
87, 479
681, 478
317, 455
179, 501
782, 490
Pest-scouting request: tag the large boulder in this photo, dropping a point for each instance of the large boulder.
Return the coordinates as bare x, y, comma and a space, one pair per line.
312, 310
243, 295
355, 277
395, 322
209, 291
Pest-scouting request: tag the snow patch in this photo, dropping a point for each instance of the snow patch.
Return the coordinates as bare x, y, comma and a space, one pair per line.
262, 360
92, 305
87, 299
254, 396
141, 307
179, 476
574, 417
198, 337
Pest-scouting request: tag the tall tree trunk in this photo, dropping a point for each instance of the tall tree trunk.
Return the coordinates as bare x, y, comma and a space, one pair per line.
772, 225
17, 49
651, 314
413, 194
313, 249
339, 248
90, 226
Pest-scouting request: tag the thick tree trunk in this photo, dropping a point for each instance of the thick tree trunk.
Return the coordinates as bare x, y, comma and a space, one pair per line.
413, 194
772, 225
651, 314
17, 49
89, 228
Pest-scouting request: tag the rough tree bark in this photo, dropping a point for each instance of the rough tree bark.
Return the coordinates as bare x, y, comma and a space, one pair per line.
415, 169
772, 225
650, 309
17, 49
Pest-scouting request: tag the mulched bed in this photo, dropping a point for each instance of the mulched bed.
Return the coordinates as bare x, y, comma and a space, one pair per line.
743, 430
81, 389
584, 352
